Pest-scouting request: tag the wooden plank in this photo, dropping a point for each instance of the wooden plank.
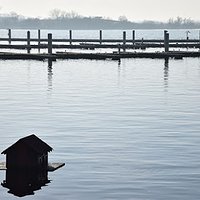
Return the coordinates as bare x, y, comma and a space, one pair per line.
2, 165
98, 56
23, 56
51, 166
54, 166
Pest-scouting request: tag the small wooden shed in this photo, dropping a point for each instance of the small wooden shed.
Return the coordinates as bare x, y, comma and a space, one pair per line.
28, 152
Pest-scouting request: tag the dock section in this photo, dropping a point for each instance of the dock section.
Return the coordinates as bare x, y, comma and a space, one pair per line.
2, 165
51, 166
97, 56
119, 48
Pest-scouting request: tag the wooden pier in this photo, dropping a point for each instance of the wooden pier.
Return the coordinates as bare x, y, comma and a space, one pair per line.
122, 48
97, 56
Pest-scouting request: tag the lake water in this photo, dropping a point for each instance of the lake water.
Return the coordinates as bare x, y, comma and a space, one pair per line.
128, 130
107, 34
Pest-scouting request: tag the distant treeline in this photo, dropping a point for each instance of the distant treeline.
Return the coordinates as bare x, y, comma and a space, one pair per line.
63, 20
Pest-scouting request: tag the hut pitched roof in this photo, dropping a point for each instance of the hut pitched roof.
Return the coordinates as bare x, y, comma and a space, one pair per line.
32, 141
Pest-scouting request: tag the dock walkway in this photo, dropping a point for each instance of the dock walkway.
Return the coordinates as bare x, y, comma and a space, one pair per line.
97, 56
51, 166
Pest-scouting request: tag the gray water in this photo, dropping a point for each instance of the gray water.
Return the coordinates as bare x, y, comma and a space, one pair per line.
128, 130
107, 34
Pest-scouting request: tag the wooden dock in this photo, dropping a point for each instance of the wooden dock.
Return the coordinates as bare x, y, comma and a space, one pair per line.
54, 166
74, 43
51, 166
97, 56
121, 48
2, 165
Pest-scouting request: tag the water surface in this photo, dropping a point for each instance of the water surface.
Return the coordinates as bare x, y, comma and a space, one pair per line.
126, 130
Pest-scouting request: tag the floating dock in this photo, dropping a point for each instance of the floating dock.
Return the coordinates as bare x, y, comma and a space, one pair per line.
98, 56
51, 166
54, 166
2, 165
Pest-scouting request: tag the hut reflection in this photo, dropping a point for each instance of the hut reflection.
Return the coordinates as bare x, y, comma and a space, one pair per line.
24, 182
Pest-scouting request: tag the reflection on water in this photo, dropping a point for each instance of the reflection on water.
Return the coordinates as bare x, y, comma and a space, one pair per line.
166, 72
24, 182
50, 75
119, 71
49, 62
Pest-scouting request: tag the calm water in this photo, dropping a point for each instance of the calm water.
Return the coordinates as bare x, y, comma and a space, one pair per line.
125, 131
107, 34
128, 130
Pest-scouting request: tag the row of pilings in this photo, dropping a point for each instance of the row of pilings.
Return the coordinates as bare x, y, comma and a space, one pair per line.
123, 46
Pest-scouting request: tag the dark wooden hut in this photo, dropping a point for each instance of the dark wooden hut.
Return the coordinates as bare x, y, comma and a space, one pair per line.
28, 152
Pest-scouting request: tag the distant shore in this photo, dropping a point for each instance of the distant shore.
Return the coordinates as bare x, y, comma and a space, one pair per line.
76, 22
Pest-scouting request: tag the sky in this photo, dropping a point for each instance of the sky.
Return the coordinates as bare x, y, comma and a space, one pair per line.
134, 10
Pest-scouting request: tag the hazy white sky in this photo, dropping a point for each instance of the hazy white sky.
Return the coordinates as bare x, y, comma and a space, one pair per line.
134, 9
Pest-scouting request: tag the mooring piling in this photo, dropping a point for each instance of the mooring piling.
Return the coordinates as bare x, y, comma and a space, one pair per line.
49, 49
133, 36
39, 37
119, 49
9, 36
70, 37
28, 42
100, 36
49, 43
166, 41
124, 41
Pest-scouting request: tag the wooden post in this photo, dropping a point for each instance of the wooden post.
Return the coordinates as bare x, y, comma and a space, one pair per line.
100, 36
39, 37
70, 36
50, 49
165, 32
119, 49
49, 43
133, 37
124, 41
166, 41
142, 41
28, 42
9, 36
